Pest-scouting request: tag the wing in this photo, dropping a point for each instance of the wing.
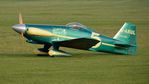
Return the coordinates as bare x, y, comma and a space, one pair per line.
81, 43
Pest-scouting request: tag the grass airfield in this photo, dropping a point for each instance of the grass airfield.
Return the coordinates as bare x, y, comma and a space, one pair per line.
19, 64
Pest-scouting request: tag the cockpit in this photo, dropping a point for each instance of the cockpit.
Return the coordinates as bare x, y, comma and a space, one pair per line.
76, 25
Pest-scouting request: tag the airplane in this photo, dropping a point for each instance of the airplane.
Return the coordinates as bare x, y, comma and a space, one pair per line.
77, 36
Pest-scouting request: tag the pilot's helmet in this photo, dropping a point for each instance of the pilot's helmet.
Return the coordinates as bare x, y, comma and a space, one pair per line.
75, 26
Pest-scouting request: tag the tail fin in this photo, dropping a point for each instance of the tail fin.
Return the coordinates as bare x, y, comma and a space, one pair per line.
127, 35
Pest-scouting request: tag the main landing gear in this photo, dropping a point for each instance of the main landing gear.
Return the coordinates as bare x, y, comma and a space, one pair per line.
54, 51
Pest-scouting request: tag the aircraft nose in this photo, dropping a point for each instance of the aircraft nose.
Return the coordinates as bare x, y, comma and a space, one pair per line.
20, 28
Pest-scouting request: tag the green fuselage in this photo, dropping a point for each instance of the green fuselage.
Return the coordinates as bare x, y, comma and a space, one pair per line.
65, 33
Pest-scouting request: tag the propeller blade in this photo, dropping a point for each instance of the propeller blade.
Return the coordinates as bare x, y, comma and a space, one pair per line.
20, 19
22, 35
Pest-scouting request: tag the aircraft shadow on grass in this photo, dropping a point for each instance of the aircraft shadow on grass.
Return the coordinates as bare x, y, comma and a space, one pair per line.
47, 55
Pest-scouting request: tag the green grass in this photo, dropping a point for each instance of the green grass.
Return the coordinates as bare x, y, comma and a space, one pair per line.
19, 65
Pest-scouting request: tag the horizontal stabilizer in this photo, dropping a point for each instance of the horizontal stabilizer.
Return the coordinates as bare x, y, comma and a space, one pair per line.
122, 44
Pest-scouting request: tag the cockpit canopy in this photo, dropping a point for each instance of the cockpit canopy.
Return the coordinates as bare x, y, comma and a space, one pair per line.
77, 25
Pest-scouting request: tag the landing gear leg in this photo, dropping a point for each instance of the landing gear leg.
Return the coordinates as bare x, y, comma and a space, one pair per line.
45, 48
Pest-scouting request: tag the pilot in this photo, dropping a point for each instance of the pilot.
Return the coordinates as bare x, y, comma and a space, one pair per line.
76, 26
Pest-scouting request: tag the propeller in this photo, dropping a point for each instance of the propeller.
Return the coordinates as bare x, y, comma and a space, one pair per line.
20, 18
20, 21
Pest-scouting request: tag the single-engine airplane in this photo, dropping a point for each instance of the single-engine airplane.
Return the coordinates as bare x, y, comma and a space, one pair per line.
78, 36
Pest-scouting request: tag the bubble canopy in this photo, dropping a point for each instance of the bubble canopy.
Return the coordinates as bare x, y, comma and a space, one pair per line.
77, 25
